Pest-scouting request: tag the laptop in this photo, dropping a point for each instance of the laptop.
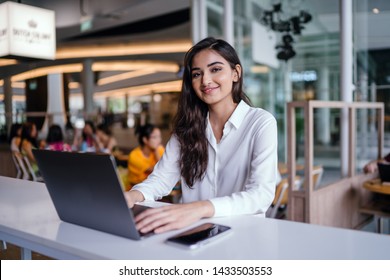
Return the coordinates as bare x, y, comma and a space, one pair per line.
86, 190
384, 172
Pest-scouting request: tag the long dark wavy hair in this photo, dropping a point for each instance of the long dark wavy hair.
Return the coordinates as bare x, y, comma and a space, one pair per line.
191, 118
27, 128
55, 134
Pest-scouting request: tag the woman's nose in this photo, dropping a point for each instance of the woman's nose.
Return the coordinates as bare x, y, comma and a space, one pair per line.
206, 79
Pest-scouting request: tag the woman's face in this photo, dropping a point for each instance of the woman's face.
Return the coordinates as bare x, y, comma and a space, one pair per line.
154, 139
212, 77
88, 129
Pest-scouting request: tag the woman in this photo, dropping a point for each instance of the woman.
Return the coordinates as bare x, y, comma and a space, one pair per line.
28, 142
372, 166
107, 142
55, 139
14, 136
223, 150
87, 141
143, 158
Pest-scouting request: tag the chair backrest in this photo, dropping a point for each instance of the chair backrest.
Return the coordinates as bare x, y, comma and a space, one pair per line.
20, 165
19, 172
317, 175
281, 198
281, 195
30, 170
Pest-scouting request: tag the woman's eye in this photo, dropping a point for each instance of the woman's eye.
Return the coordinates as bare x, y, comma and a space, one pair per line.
217, 69
195, 75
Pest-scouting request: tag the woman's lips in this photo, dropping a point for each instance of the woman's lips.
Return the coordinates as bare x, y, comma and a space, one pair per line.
209, 89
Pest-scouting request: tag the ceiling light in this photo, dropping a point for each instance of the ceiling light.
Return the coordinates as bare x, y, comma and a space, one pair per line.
375, 11
15, 98
157, 98
125, 76
172, 86
259, 69
122, 49
98, 66
18, 84
4, 62
73, 85
69, 68
134, 65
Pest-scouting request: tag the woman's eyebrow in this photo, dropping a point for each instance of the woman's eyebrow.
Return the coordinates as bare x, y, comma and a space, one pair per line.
208, 65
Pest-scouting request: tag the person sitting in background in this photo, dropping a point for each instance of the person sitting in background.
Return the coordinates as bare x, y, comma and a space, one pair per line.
87, 141
14, 136
55, 139
28, 142
372, 166
107, 142
143, 158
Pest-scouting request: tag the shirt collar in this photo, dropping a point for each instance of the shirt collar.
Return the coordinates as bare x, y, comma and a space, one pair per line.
239, 114
235, 119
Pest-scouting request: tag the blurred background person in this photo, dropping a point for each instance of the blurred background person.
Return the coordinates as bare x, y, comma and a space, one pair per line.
55, 139
86, 140
14, 136
372, 166
143, 158
28, 142
107, 142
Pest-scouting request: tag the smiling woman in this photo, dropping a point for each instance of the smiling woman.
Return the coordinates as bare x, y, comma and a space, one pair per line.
222, 150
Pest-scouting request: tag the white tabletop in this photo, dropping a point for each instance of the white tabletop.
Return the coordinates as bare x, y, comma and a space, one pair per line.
28, 219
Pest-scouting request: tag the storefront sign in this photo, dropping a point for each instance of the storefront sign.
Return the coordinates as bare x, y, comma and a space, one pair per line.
26, 31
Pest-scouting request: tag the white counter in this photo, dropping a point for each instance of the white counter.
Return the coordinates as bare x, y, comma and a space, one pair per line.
28, 219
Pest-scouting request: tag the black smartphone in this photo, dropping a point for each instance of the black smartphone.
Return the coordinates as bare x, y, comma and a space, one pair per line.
198, 236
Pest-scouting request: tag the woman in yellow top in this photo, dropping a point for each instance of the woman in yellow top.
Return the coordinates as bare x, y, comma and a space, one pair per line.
143, 158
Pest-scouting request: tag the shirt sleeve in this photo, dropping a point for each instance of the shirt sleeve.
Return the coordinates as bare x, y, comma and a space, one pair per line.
259, 190
165, 174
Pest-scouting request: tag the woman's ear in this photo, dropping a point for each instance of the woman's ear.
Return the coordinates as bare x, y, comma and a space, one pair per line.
237, 73
144, 140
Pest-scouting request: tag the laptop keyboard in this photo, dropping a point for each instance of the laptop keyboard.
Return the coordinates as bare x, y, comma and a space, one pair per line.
136, 210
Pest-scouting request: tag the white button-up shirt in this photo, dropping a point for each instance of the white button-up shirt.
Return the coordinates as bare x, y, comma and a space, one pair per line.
242, 168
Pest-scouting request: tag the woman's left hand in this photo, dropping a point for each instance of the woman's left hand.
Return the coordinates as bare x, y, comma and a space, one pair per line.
172, 217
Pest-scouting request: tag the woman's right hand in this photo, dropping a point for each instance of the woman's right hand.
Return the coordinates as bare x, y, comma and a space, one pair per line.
175, 216
132, 197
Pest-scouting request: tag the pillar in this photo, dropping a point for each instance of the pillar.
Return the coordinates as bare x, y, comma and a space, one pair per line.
323, 122
87, 83
55, 102
8, 102
198, 20
346, 75
228, 22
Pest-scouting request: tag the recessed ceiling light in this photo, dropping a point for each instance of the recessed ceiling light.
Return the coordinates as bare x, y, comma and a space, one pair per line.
375, 11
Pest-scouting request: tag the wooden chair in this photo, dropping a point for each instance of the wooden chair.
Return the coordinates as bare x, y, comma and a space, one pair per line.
317, 175
281, 197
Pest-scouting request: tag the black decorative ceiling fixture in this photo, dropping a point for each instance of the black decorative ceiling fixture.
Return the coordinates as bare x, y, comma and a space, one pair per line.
293, 25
